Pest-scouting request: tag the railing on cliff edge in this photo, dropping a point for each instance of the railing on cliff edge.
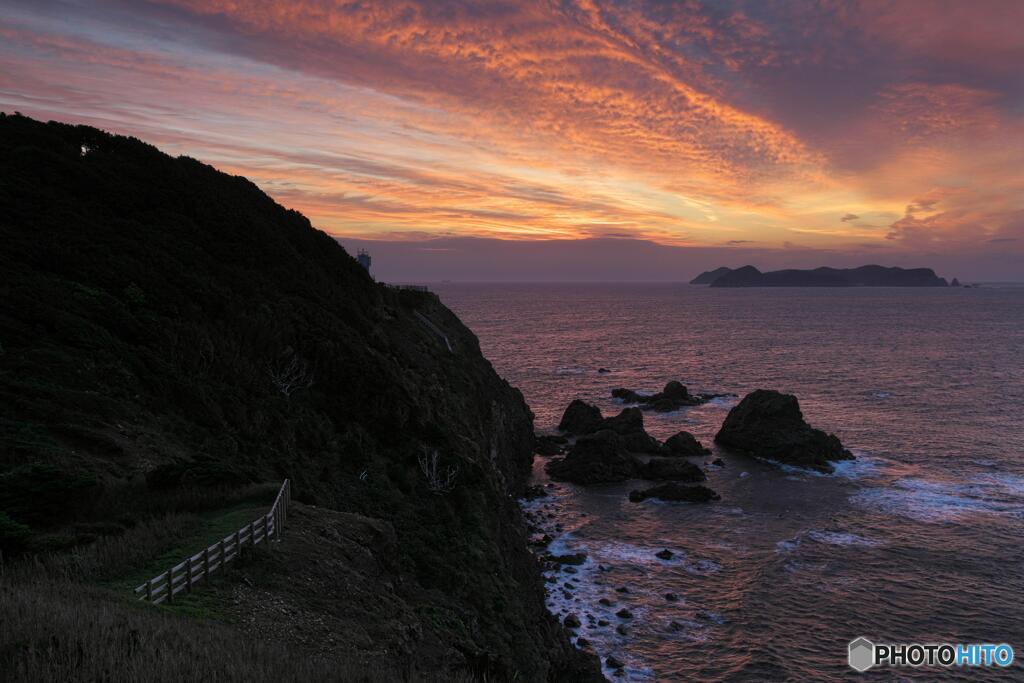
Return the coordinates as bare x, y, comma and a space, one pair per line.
407, 288
182, 576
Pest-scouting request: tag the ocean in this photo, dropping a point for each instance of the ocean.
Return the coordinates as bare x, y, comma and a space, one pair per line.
920, 539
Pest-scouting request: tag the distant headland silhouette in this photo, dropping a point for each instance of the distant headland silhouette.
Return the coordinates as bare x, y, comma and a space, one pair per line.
864, 276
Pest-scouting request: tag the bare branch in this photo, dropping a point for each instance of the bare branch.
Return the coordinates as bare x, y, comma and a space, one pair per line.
438, 481
290, 372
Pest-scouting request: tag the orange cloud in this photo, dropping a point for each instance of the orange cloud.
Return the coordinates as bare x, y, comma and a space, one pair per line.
683, 123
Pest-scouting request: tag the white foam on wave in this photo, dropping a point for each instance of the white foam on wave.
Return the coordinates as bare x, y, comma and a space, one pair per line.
580, 593
861, 465
826, 537
616, 552
1012, 484
569, 371
938, 501
788, 545
840, 538
578, 590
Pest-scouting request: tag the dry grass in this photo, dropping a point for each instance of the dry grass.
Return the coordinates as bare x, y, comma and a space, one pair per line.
152, 525
111, 557
135, 500
61, 631
65, 616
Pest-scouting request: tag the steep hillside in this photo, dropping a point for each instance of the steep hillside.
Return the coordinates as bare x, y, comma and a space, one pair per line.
166, 328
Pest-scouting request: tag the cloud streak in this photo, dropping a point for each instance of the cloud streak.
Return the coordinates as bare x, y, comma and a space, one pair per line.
684, 124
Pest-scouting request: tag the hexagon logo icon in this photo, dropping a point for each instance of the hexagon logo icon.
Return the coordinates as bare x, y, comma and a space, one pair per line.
862, 654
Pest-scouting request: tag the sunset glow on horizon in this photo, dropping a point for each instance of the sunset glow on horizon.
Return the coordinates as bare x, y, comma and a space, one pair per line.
879, 130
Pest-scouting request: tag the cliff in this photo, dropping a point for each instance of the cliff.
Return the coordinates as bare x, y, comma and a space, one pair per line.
168, 330
864, 276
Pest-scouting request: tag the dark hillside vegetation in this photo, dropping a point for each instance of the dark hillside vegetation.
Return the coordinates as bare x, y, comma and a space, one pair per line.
171, 337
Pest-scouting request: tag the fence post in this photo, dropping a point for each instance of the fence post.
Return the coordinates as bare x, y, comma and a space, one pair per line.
278, 519
278, 515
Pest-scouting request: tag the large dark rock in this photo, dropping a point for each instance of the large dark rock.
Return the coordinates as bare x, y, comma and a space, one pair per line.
672, 468
675, 391
628, 395
595, 458
684, 444
629, 424
675, 492
674, 396
769, 424
629, 421
580, 417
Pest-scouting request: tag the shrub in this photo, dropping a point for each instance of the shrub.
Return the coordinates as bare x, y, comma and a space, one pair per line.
202, 470
44, 494
12, 534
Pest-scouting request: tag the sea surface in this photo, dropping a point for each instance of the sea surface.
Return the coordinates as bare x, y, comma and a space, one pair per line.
920, 539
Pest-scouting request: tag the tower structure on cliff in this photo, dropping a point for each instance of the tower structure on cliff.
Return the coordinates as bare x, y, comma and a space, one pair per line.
364, 259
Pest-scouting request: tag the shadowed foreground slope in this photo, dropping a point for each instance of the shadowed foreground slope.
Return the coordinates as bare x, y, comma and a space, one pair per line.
168, 333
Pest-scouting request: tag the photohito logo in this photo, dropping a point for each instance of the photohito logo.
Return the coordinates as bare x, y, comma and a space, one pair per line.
863, 654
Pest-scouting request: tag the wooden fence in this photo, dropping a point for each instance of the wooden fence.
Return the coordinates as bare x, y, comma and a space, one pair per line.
182, 576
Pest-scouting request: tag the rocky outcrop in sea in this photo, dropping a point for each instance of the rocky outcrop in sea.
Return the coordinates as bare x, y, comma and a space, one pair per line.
674, 396
769, 424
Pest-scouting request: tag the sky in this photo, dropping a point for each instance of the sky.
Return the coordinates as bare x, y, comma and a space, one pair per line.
572, 139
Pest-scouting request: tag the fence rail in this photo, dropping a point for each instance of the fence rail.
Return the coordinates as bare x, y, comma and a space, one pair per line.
408, 288
187, 573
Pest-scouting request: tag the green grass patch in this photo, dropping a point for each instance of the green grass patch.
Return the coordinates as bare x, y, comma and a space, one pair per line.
213, 526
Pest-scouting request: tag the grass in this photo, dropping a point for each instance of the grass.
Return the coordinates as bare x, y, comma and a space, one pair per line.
210, 527
73, 616
61, 631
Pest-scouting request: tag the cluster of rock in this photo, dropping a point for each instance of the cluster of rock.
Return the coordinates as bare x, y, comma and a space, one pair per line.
674, 396
769, 424
599, 449
766, 424
613, 449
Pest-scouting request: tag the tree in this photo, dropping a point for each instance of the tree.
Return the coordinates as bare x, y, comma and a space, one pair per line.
290, 372
438, 481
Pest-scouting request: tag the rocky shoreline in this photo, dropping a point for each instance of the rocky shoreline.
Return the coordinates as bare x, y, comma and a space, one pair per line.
592, 449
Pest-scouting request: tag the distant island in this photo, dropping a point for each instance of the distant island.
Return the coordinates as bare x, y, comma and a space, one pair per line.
709, 276
864, 276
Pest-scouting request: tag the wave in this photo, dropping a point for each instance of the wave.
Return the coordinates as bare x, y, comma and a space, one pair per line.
826, 537
939, 501
862, 465
616, 552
